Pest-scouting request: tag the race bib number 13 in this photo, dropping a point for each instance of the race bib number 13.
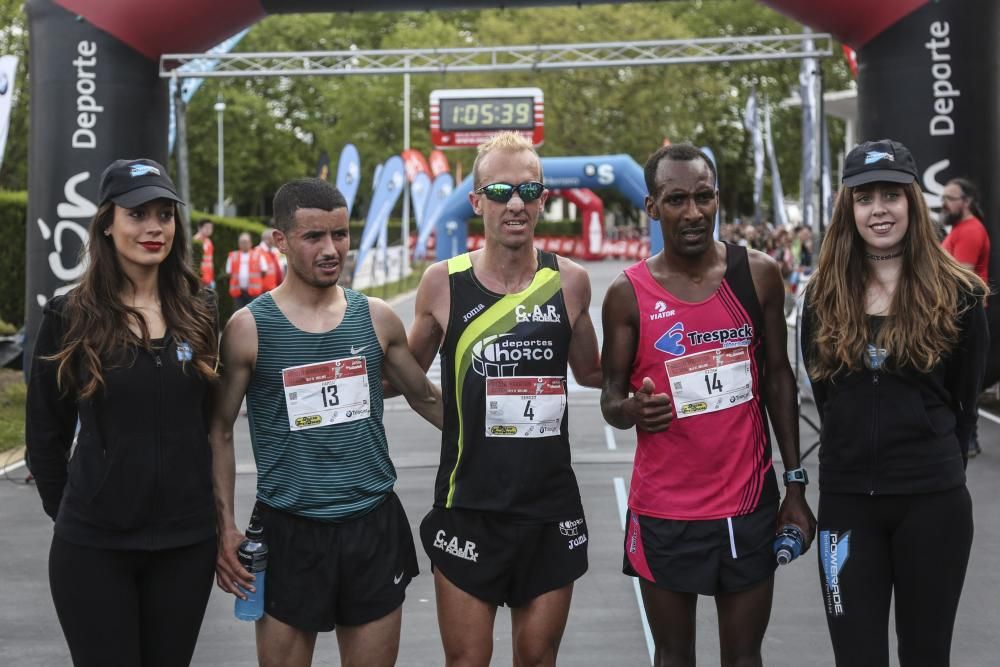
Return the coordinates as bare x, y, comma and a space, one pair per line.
329, 392
710, 381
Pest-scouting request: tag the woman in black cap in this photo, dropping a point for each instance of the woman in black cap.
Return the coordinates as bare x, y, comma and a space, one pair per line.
894, 338
128, 356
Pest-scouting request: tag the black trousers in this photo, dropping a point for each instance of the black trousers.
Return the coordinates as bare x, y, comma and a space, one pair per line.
131, 608
915, 547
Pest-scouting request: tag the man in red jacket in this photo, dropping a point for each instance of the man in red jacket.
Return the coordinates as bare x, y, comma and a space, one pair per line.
967, 241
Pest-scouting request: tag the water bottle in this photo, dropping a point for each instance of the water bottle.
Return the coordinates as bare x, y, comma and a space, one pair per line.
788, 544
253, 556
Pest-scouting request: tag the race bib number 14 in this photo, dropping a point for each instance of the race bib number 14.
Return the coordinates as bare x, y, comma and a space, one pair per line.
710, 381
329, 392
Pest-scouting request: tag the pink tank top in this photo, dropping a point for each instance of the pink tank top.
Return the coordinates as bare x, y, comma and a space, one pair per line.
714, 460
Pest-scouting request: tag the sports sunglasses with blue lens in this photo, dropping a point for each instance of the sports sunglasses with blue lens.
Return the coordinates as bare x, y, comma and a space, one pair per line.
502, 192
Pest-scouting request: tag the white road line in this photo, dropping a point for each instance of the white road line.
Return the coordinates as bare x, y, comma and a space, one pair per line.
622, 497
992, 417
12, 467
609, 437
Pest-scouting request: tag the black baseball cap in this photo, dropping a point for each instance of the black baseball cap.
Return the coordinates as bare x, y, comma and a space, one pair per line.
882, 160
131, 183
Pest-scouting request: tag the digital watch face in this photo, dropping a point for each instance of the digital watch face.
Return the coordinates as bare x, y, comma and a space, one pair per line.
488, 113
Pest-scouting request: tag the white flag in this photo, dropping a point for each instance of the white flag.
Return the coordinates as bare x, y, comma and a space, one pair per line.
8, 75
780, 216
751, 123
810, 125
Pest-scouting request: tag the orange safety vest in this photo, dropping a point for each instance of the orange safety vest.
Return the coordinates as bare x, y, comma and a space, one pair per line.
207, 267
273, 277
255, 285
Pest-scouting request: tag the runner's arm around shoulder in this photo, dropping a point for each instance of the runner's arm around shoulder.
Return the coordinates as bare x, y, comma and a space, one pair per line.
238, 354
584, 355
779, 387
401, 369
426, 331
646, 409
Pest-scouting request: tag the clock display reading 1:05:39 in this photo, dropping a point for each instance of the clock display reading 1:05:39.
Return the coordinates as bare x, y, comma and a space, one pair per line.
465, 117
489, 113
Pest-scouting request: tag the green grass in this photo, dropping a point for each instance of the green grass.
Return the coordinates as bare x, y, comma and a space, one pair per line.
12, 397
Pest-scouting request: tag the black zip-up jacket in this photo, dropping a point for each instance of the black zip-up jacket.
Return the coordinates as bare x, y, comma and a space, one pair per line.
140, 475
900, 431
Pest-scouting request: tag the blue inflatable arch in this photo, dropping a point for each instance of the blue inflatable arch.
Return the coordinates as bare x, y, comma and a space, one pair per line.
599, 171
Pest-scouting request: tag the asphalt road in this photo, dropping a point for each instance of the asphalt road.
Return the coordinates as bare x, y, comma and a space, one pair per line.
605, 625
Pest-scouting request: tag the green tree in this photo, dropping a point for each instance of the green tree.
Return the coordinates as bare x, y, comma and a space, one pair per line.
276, 128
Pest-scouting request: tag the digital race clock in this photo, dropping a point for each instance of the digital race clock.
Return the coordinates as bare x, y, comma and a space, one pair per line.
468, 116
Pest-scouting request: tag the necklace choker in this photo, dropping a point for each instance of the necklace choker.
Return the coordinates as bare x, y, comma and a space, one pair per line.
881, 257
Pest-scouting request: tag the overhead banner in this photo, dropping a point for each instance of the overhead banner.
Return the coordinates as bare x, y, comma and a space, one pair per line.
83, 85
387, 193
349, 175
8, 76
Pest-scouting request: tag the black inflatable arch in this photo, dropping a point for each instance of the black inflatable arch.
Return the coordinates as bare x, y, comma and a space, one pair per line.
929, 75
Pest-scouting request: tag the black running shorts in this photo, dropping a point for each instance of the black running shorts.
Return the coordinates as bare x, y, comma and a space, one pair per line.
323, 574
503, 562
704, 557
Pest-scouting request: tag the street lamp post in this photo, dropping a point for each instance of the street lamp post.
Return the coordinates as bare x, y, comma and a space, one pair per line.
220, 107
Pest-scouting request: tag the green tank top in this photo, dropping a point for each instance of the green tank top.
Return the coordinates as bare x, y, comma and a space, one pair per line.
331, 460
505, 442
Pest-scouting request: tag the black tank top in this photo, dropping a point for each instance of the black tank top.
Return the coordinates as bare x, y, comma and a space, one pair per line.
505, 443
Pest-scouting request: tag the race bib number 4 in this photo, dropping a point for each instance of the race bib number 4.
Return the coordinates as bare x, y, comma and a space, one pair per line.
710, 381
524, 407
330, 392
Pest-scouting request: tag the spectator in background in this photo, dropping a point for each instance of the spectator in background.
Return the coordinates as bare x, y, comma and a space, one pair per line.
275, 260
204, 239
802, 248
779, 246
967, 242
246, 268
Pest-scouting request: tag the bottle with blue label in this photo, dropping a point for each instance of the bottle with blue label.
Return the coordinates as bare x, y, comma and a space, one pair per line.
788, 544
253, 556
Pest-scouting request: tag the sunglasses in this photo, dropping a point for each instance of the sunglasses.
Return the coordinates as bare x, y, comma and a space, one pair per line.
502, 192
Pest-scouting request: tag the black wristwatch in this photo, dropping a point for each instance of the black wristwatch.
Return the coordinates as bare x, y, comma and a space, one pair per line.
797, 476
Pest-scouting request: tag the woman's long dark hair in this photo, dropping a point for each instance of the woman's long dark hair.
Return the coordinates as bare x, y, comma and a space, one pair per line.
933, 291
98, 322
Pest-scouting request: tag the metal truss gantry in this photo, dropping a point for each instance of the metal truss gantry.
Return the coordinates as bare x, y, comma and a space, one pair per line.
497, 58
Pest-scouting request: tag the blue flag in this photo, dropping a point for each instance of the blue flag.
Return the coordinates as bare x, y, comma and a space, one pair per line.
387, 193
441, 189
420, 188
349, 175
